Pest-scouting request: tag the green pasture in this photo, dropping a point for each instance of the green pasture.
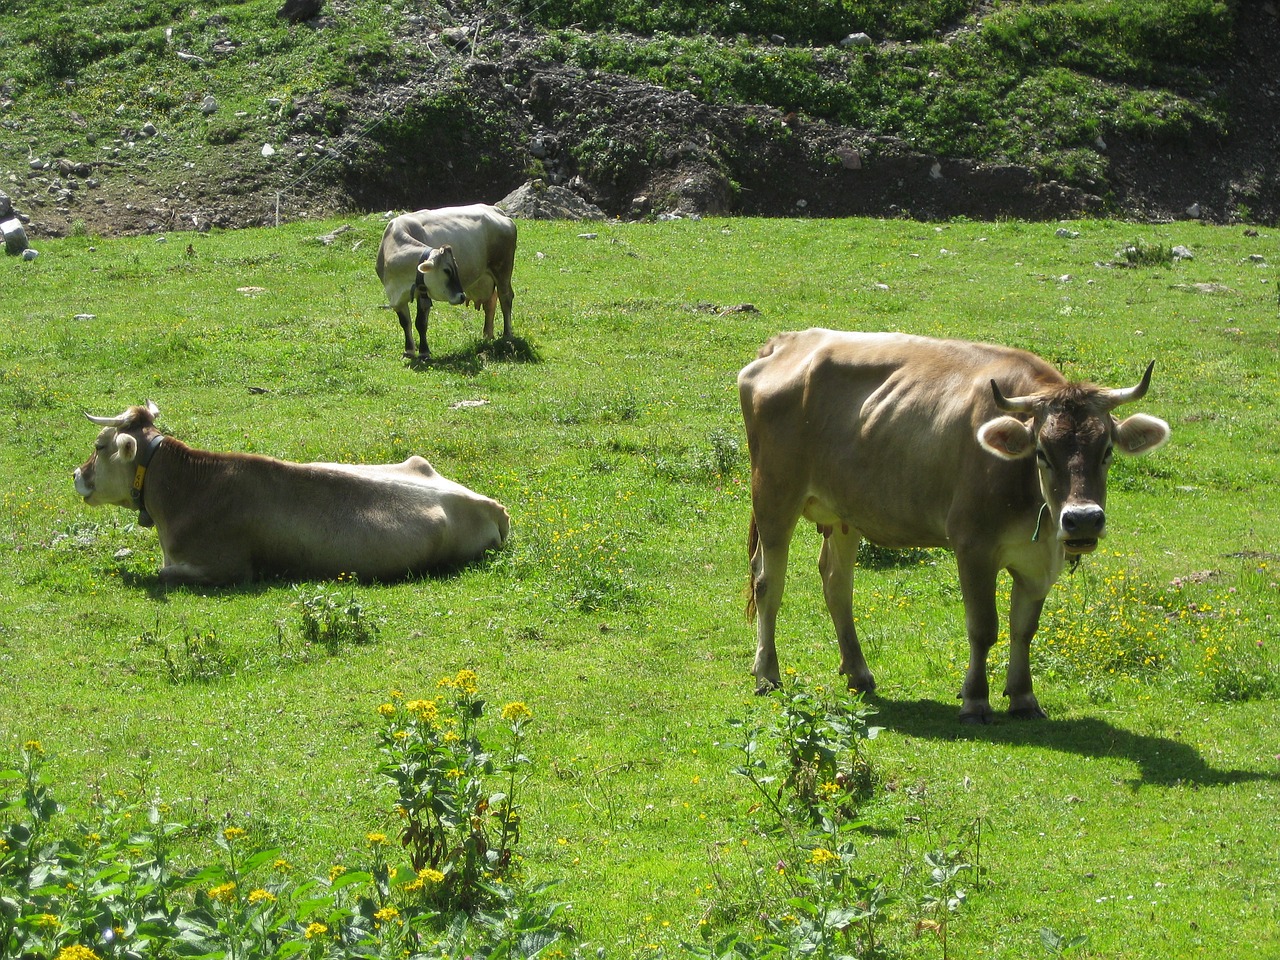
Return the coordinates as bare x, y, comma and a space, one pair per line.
1143, 814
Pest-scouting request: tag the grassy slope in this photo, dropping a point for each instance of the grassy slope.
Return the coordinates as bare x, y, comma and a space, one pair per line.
1145, 804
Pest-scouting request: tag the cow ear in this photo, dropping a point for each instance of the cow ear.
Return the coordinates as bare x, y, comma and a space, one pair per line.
1140, 434
1008, 438
425, 267
126, 446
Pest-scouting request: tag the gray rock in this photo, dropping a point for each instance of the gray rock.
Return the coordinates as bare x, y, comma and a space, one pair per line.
855, 40
15, 236
537, 201
208, 105
29, 254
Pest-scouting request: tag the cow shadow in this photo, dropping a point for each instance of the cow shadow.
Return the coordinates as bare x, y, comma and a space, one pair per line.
472, 358
1160, 761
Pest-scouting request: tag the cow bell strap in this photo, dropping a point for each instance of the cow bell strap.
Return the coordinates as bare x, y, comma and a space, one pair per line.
139, 478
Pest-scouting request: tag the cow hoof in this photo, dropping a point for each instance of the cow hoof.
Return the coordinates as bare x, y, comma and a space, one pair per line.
975, 719
411, 355
1029, 713
765, 687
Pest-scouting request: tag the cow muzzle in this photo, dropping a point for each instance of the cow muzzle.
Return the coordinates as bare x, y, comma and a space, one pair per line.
83, 487
1081, 527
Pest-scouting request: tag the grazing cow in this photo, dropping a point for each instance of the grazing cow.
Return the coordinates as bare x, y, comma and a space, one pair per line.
914, 442
230, 517
454, 254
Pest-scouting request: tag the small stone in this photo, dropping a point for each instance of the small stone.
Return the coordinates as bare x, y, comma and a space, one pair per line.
29, 254
856, 40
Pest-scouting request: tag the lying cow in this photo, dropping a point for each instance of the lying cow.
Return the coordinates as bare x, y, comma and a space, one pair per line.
913, 442
454, 254
229, 517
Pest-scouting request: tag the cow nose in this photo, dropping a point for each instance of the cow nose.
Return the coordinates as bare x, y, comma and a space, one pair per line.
1083, 521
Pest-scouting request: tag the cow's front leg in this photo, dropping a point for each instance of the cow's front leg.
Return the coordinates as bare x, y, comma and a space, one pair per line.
424, 312
1026, 602
407, 327
835, 563
978, 589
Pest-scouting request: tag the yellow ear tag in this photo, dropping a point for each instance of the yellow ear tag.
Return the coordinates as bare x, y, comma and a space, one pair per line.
137, 479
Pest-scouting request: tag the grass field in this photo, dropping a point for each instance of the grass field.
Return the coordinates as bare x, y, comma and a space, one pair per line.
1142, 814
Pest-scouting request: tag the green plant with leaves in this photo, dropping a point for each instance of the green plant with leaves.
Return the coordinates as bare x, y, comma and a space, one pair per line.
810, 767
457, 799
108, 889
333, 619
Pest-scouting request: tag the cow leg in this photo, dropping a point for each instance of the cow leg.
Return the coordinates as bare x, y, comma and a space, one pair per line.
490, 308
403, 314
505, 297
978, 589
835, 563
420, 321
769, 550
1025, 604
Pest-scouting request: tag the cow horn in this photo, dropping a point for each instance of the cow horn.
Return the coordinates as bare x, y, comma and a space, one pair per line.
1012, 404
119, 420
1114, 398
123, 420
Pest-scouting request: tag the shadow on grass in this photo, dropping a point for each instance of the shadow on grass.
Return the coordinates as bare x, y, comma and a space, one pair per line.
472, 358
162, 592
1160, 760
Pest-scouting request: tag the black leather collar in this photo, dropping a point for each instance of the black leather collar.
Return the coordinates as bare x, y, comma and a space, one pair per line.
139, 477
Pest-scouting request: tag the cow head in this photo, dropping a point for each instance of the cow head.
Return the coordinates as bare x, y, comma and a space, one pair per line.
107, 477
438, 275
1073, 435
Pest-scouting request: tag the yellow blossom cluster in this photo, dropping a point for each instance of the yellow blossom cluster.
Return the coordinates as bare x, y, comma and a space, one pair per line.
515, 712
223, 893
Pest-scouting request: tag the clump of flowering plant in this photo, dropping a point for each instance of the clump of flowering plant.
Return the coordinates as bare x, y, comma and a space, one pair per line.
456, 796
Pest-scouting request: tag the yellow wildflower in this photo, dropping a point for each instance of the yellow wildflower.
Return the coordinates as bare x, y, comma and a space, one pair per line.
46, 920
33, 746
284, 866
467, 682
336, 871
428, 875
385, 914
515, 712
822, 857
262, 896
234, 833
76, 952
376, 839
315, 930
223, 893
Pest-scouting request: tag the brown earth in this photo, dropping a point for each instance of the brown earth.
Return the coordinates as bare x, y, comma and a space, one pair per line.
666, 153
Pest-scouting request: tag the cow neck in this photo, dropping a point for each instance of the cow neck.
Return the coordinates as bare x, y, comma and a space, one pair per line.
145, 453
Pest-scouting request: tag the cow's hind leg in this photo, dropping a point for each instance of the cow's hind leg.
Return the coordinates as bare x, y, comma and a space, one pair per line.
768, 548
490, 308
506, 296
835, 563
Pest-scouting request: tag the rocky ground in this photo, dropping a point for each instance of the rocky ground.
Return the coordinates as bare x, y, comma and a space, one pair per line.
685, 158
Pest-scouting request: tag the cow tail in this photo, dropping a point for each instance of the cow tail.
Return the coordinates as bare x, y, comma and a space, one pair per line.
753, 544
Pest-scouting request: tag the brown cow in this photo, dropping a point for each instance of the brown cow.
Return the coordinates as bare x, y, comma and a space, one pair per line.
453, 254
913, 442
229, 517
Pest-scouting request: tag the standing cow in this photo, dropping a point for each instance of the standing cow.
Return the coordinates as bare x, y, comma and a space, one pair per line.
229, 517
913, 442
454, 254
